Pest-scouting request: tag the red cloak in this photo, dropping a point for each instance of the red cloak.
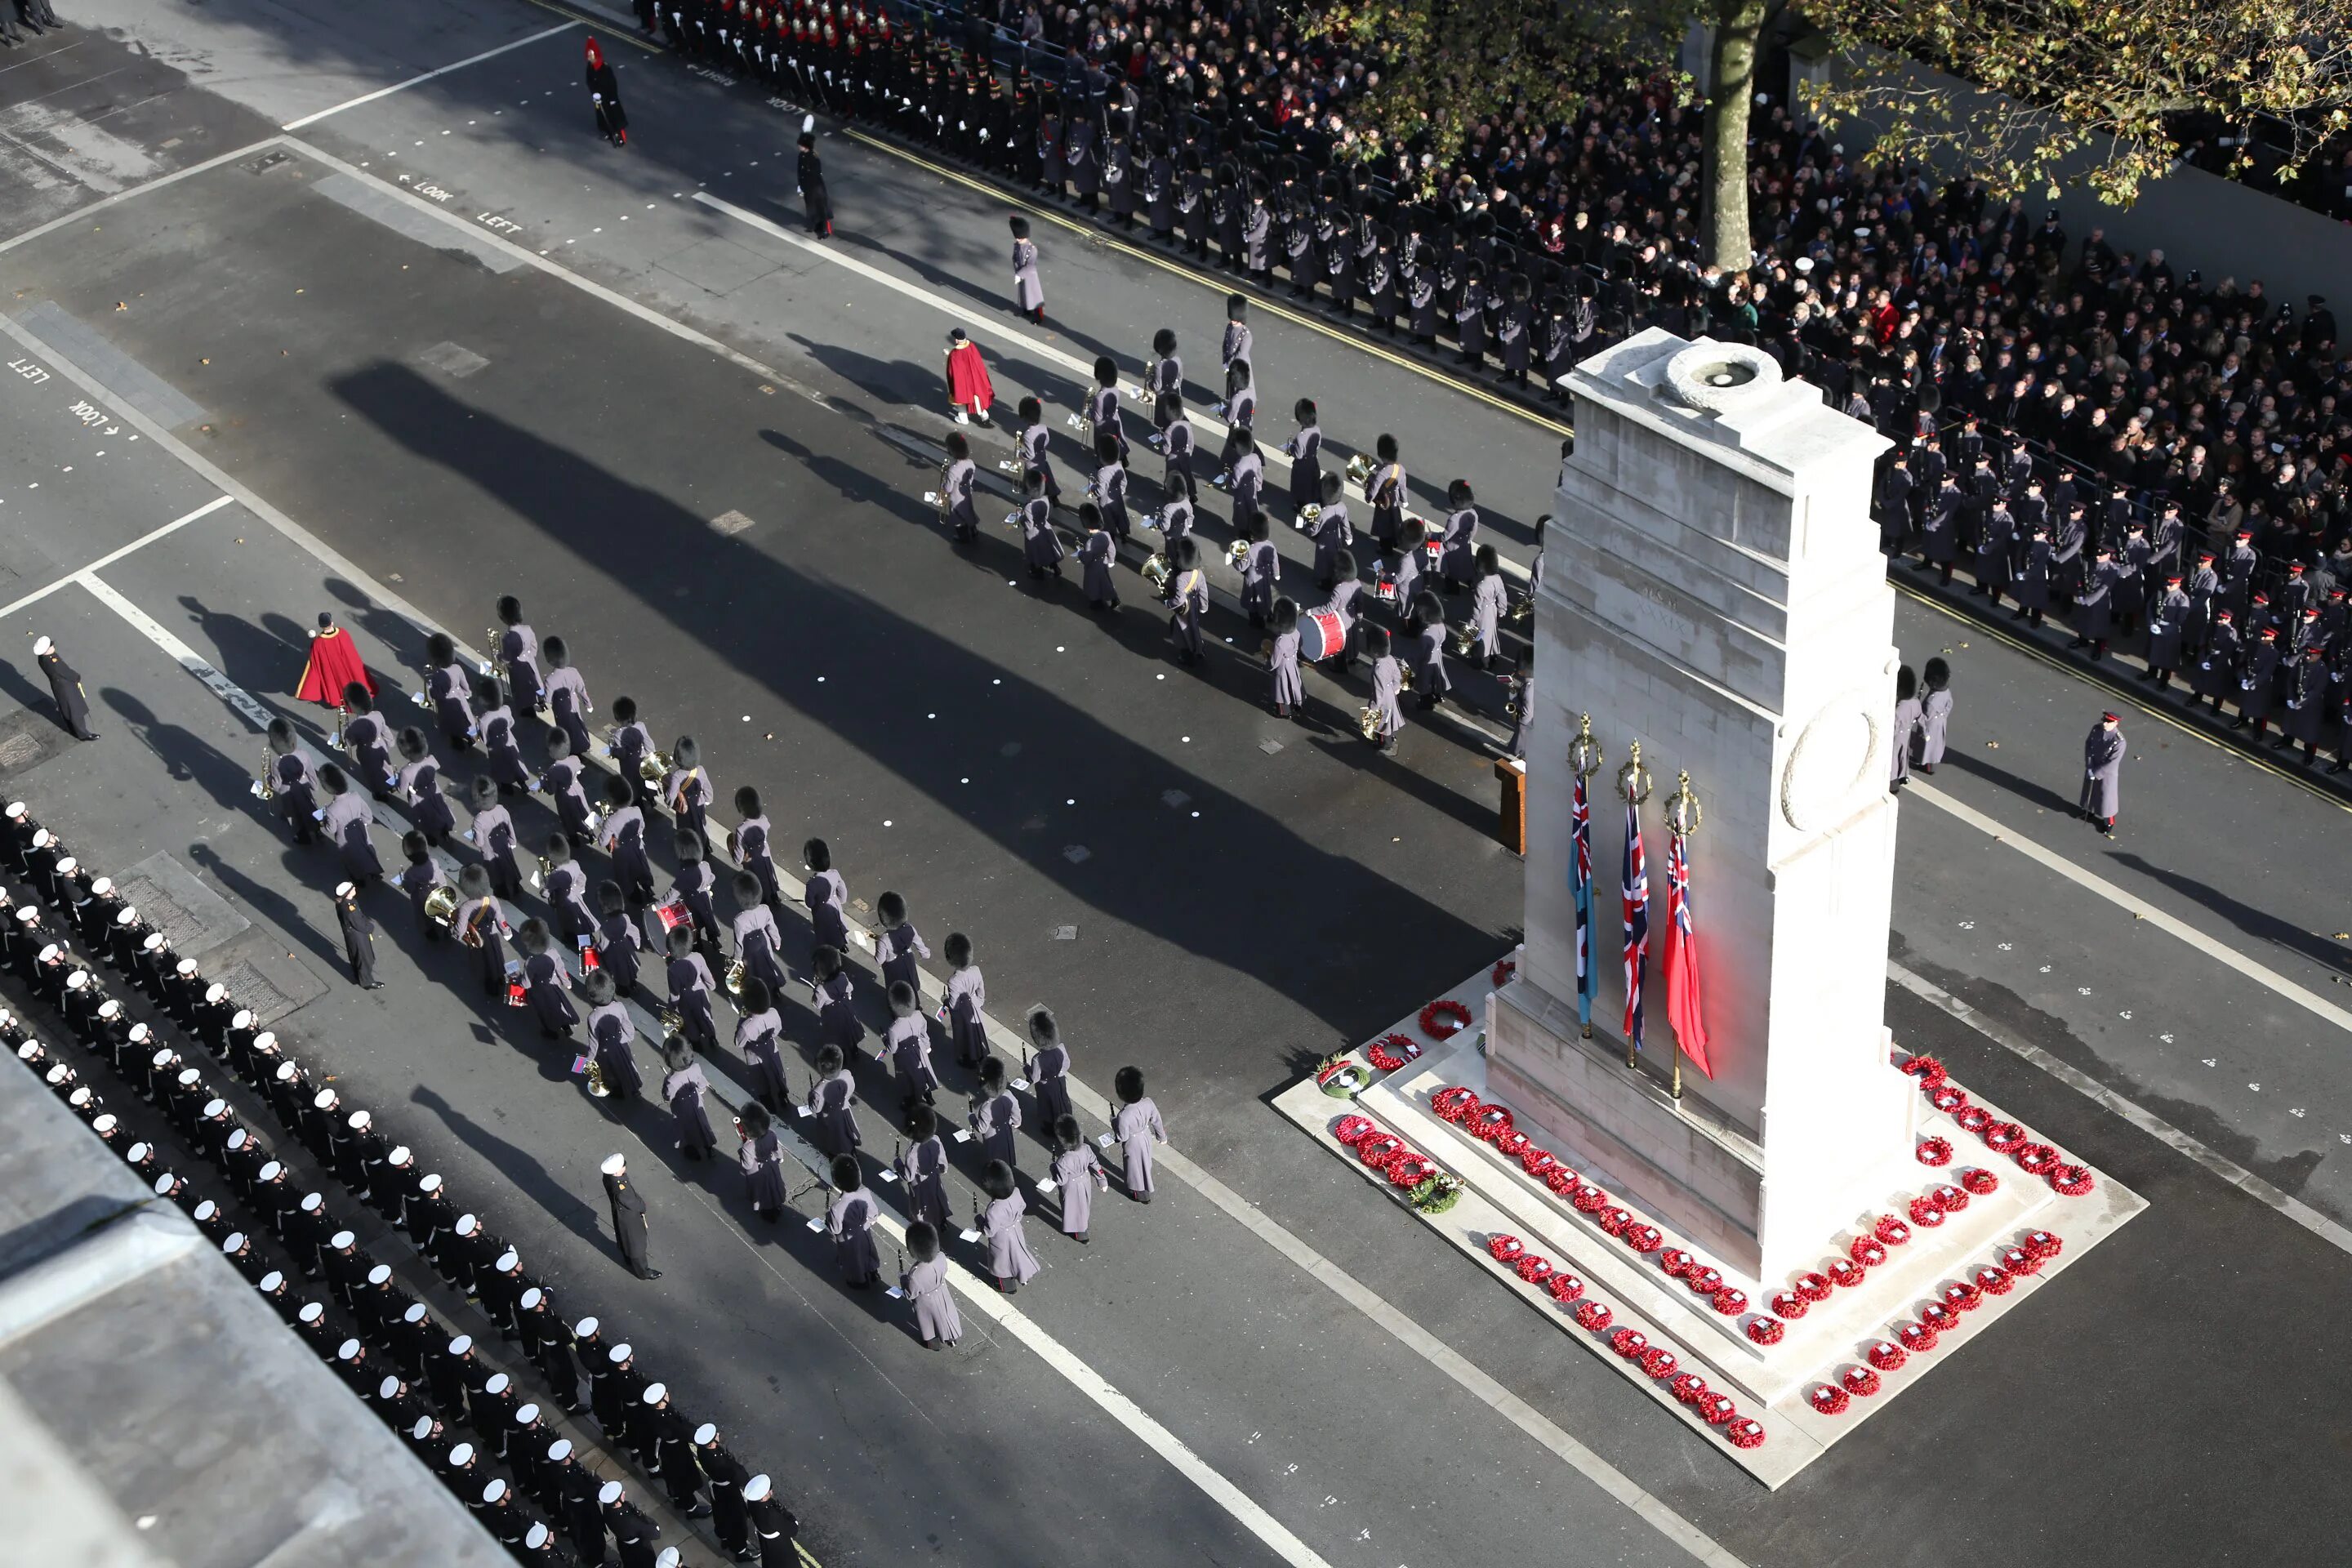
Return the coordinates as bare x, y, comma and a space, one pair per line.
334, 664
968, 380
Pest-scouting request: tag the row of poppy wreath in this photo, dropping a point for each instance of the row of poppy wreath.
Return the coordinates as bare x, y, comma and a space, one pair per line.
2035, 1158
1494, 1125
1712, 1407
1935, 1319
1414, 1175
1866, 1252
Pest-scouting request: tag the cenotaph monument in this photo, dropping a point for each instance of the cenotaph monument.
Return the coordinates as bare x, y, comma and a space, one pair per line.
1714, 592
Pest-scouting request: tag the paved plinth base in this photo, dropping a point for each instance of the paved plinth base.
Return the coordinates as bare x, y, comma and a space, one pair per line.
1775, 1385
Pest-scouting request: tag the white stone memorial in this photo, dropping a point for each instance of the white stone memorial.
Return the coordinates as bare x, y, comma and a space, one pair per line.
1714, 592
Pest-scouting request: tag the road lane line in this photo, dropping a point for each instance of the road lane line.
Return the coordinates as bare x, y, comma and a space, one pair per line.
982, 1296
252, 150
428, 76
2108, 1099
2218, 951
111, 556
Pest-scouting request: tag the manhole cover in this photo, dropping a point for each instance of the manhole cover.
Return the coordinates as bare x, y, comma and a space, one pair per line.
248, 987
269, 161
728, 524
454, 359
157, 909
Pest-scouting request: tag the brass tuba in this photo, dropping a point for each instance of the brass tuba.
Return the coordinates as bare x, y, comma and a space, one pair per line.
735, 973
1308, 516
1360, 469
654, 766
596, 1079
1369, 721
1158, 571
441, 906
1465, 637
1236, 553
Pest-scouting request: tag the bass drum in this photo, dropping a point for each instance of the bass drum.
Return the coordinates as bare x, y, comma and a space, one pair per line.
1321, 634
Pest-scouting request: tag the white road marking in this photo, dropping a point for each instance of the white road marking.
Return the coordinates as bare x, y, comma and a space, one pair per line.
79, 214
2147, 1121
111, 556
1419, 1340
428, 76
2214, 948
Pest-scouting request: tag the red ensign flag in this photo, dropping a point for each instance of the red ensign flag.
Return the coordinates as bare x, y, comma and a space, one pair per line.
1683, 1009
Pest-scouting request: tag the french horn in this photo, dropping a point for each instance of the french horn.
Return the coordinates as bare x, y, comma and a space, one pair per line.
1308, 516
1369, 721
1159, 571
441, 906
1236, 553
735, 973
1360, 469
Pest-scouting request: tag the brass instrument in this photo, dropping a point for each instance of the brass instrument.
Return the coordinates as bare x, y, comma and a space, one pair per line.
1522, 607
1369, 721
1308, 516
1158, 573
266, 786
1404, 676
654, 766
1236, 553
441, 906
735, 973
947, 502
490, 650
1511, 702
546, 869
672, 1021
596, 1079
1465, 637
1360, 469
342, 713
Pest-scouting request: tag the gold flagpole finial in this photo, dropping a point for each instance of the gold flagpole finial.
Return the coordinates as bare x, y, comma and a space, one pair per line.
1682, 808
1584, 752
1634, 782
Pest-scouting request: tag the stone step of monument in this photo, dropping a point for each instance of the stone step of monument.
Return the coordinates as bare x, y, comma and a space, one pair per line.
1774, 1386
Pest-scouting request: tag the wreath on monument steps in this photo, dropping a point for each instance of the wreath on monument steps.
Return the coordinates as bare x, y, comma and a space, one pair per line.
1392, 1051
1340, 1077
1444, 1018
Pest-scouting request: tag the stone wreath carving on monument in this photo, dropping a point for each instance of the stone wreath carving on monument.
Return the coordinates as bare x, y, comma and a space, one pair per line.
1712, 376
1832, 758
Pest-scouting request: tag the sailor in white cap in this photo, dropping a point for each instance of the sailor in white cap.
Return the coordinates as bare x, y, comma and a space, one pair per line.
65, 687
491, 1407
729, 1518
239, 1249
215, 1225
582, 1507
276, 1289
674, 1452
449, 1372
171, 1186
396, 1404
612, 1393
310, 1322
633, 1532
351, 1360
358, 936
524, 1437
323, 1124
346, 1268
668, 1557
772, 1524
429, 1214
308, 1231
359, 1153
502, 1285
378, 1304
457, 1468
629, 1226
498, 1514
542, 1471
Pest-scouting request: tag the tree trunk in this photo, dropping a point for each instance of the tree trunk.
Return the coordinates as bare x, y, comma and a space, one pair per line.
1736, 25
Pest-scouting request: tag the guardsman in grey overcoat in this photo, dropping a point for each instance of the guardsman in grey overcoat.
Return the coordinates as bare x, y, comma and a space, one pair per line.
1488, 604
2168, 626
2103, 772
995, 1115
1282, 663
1333, 529
832, 1104
1049, 1069
1077, 1176
612, 1037
962, 1007
1028, 287
346, 820
922, 1167
1000, 1223
1304, 451
1137, 1127
1904, 731
685, 1088
1388, 682
754, 930
925, 1286
907, 1045
849, 1221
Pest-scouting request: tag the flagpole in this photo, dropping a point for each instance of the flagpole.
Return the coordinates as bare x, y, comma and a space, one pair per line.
1584, 759
1633, 788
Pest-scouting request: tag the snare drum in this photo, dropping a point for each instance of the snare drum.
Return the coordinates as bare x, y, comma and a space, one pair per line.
1321, 634
673, 914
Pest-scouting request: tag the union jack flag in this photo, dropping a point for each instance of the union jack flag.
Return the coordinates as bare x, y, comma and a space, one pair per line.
1580, 878
1682, 959
1637, 922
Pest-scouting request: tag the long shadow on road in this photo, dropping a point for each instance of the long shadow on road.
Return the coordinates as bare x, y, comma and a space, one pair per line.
594, 518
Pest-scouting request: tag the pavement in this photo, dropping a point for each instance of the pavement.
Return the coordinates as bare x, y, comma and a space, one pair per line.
1018, 769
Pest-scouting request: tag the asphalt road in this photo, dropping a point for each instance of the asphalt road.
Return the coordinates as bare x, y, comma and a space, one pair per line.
581, 467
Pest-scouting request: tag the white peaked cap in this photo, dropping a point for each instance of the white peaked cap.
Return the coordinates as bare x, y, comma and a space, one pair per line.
608, 1494
614, 1164
755, 1488
311, 1313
